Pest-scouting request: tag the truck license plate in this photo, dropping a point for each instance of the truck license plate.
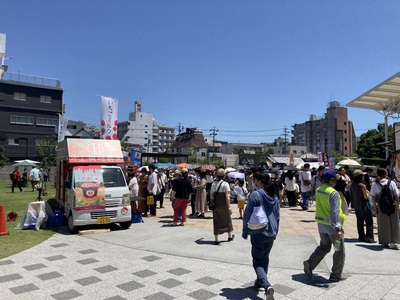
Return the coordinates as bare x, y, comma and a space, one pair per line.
103, 220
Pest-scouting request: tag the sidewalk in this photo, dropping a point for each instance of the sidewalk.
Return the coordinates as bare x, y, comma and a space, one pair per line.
154, 260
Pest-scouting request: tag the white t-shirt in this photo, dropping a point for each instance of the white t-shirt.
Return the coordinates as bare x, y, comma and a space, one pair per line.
222, 189
240, 192
305, 175
134, 187
152, 179
290, 185
376, 189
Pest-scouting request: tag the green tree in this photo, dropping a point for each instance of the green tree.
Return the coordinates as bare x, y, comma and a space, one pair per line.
46, 151
367, 146
3, 159
337, 156
193, 154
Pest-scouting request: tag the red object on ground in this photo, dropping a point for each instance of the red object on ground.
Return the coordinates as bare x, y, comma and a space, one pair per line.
3, 229
12, 216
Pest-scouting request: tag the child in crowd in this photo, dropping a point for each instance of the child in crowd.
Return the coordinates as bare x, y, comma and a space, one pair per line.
241, 195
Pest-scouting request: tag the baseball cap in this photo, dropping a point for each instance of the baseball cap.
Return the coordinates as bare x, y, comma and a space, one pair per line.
184, 170
328, 174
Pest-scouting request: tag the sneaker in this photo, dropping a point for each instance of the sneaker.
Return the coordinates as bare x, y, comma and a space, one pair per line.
307, 269
393, 246
269, 293
259, 286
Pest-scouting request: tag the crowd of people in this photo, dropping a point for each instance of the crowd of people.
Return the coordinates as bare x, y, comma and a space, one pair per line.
335, 194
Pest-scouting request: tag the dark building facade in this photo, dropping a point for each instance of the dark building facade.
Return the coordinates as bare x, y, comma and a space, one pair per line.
28, 114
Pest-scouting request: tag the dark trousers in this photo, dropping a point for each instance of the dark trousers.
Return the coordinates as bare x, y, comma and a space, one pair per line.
17, 184
365, 216
160, 197
192, 201
291, 196
261, 246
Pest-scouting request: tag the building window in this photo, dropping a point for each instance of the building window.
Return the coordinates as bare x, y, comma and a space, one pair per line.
345, 148
21, 120
45, 99
345, 123
345, 140
46, 122
203, 154
19, 96
13, 142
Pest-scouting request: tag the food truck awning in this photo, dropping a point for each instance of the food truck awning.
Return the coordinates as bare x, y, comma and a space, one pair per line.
84, 151
380, 96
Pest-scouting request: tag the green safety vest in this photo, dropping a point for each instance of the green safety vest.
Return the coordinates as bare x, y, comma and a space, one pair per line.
323, 208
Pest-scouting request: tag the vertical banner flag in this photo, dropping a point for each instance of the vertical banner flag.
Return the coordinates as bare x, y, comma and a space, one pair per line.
332, 163
136, 158
109, 118
325, 158
62, 127
291, 159
320, 161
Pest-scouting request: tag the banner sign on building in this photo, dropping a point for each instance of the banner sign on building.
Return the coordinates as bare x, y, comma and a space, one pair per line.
320, 159
62, 127
136, 158
109, 118
325, 159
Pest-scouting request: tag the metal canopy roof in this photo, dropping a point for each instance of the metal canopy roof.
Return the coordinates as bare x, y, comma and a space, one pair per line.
385, 96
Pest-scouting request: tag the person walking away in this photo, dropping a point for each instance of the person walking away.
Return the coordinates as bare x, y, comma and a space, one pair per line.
388, 225
201, 195
305, 185
152, 188
222, 222
34, 177
210, 180
182, 188
359, 199
263, 239
330, 218
316, 181
16, 179
290, 188
241, 195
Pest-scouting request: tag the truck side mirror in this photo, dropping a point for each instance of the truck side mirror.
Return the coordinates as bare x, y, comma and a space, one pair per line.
67, 184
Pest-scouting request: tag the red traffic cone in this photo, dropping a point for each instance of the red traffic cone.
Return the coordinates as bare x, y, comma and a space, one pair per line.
3, 229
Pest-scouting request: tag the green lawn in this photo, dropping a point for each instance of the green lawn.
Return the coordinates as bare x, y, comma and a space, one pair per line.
20, 240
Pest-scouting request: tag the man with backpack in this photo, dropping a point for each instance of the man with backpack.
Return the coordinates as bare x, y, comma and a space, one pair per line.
385, 196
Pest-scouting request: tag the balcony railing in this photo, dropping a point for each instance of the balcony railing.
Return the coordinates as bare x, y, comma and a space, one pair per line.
26, 78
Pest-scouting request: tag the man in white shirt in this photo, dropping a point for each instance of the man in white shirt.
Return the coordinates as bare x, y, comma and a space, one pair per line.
305, 180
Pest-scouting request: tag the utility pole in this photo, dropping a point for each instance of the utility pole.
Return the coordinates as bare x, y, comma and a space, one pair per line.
213, 134
285, 132
180, 129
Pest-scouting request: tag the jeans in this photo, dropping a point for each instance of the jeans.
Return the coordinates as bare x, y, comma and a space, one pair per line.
323, 249
261, 247
305, 196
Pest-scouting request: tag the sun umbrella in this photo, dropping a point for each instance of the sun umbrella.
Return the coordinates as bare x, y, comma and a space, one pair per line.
349, 162
230, 170
23, 163
28, 160
237, 175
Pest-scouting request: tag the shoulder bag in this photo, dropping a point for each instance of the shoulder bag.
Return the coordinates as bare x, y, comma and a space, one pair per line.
211, 204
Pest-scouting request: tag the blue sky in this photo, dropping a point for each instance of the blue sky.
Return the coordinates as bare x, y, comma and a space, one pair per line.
247, 68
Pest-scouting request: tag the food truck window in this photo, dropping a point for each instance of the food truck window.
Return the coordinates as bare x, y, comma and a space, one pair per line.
113, 177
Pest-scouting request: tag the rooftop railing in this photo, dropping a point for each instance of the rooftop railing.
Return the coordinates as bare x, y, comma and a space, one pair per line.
26, 78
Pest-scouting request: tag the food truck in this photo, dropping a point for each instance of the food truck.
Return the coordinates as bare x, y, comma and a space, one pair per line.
90, 184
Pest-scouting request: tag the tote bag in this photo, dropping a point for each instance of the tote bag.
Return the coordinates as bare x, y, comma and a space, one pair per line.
258, 219
150, 200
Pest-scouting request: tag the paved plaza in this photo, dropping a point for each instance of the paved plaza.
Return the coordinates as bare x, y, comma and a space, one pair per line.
153, 260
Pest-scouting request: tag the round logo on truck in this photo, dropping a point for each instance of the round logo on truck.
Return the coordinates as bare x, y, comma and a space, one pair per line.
124, 210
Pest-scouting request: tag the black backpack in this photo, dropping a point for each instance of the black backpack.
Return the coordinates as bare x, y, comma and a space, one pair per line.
386, 202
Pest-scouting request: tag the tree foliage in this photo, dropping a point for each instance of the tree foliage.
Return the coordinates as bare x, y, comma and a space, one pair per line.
3, 159
46, 151
367, 146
